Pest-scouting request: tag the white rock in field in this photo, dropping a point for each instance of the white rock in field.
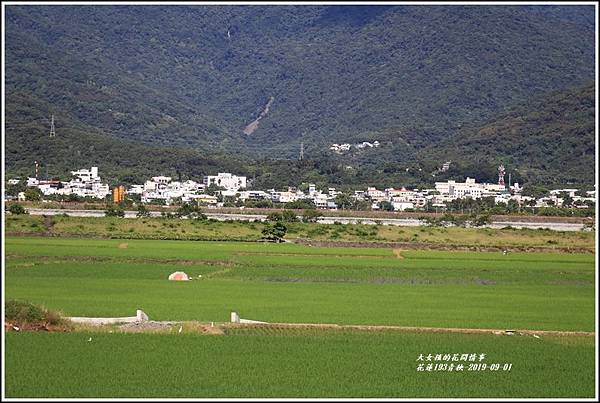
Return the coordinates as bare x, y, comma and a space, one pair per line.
180, 329
178, 276
90, 339
536, 336
17, 328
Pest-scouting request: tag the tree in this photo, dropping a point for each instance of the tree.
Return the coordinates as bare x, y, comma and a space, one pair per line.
275, 216
213, 189
535, 191
33, 194
386, 206
142, 211
512, 206
480, 220
288, 216
343, 201
14, 190
361, 205
301, 204
264, 203
114, 211
567, 200
72, 198
190, 211
274, 232
311, 215
17, 209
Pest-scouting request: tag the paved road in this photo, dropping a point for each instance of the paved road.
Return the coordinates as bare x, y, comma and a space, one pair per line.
557, 226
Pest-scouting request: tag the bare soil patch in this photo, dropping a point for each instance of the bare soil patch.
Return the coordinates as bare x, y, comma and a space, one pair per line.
397, 253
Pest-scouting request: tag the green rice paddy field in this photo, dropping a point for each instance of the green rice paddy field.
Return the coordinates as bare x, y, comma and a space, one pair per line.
298, 284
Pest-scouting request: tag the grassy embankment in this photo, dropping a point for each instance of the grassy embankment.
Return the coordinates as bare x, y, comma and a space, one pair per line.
159, 228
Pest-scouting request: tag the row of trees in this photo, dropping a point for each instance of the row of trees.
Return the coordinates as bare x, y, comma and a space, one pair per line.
488, 206
308, 215
472, 220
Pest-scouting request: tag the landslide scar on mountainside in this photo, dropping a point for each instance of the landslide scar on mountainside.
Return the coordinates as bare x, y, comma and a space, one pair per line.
254, 125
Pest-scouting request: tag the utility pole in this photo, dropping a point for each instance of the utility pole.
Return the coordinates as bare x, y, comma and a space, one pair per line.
301, 151
52, 130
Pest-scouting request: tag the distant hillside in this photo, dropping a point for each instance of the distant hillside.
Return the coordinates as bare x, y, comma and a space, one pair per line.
195, 77
77, 145
547, 140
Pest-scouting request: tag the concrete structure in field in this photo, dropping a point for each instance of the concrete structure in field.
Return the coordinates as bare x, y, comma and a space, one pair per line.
140, 316
235, 318
226, 180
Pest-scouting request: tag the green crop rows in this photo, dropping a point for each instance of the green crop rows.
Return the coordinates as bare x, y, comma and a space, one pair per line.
291, 364
297, 284
289, 283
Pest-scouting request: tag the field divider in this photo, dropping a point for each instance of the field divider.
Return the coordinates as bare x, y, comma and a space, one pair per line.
415, 329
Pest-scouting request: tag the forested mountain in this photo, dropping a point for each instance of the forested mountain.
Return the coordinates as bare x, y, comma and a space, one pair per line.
78, 145
238, 84
547, 140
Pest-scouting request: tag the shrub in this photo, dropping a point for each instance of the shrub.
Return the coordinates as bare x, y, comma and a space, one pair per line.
30, 316
274, 232
289, 216
275, 217
23, 312
480, 220
114, 211
311, 215
142, 211
17, 209
190, 211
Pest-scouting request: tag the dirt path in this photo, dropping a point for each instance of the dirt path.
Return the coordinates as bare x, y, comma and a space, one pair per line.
398, 253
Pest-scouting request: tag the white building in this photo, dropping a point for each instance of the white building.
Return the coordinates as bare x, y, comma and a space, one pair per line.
283, 197
226, 180
203, 199
136, 189
376, 195
468, 188
401, 206
162, 188
86, 175
570, 192
86, 183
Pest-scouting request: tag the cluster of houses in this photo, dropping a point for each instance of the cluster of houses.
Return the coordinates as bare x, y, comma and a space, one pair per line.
340, 148
85, 183
215, 188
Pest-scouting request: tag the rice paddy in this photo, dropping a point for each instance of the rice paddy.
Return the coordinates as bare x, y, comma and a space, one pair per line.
286, 283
